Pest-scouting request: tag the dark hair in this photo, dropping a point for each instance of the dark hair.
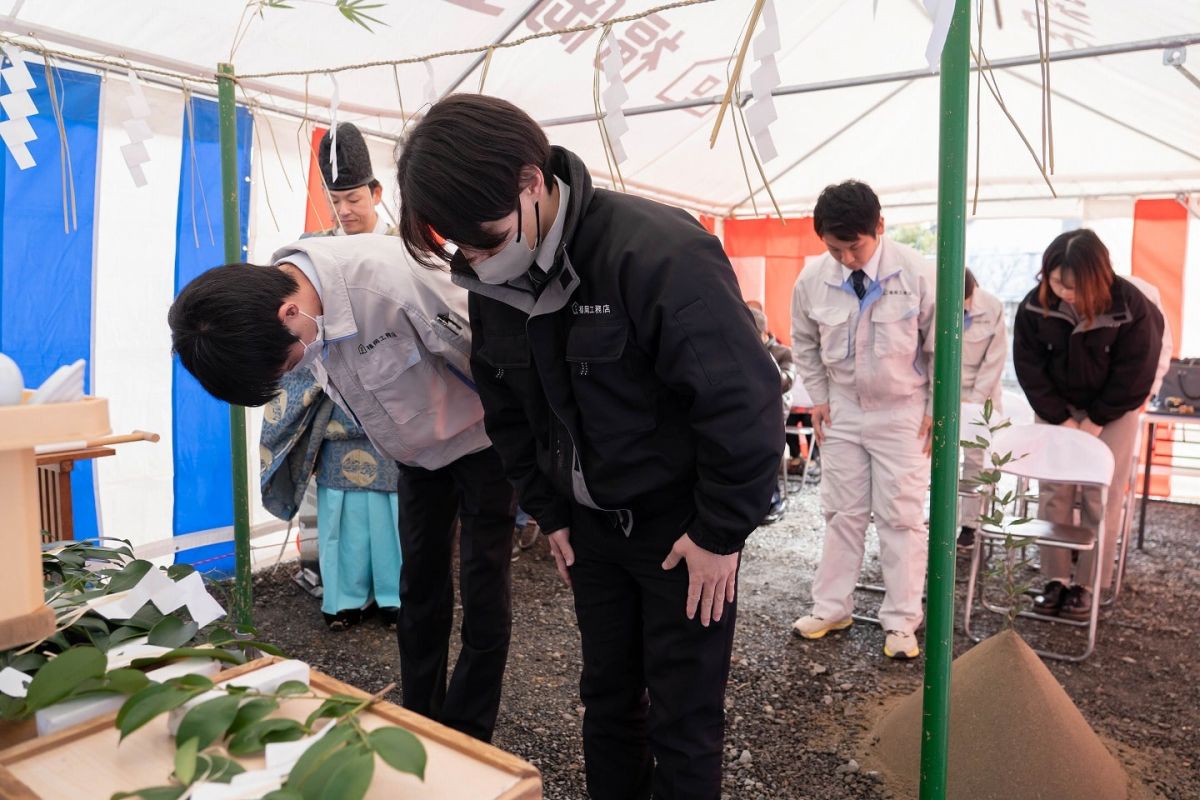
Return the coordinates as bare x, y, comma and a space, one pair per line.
461, 166
1083, 257
374, 184
847, 210
226, 331
968, 284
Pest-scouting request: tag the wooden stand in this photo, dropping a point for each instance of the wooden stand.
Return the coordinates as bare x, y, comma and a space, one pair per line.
86, 762
23, 615
54, 490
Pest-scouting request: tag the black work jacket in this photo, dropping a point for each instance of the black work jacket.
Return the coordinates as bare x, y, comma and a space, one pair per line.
1106, 368
630, 378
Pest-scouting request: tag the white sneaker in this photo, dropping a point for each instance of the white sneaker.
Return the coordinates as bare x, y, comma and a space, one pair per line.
811, 627
901, 645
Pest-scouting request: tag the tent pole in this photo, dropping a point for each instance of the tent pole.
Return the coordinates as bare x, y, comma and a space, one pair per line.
232, 226
921, 73
943, 503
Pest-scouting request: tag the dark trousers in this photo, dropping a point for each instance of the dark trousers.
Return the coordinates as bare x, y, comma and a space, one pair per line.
793, 439
653, 681
475, 488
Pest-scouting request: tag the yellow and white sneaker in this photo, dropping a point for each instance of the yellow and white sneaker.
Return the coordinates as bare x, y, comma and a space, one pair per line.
901, 645
811, 627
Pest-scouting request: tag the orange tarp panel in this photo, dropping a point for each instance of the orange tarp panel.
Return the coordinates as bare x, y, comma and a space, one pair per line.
1160, 231
783, 248
318, 216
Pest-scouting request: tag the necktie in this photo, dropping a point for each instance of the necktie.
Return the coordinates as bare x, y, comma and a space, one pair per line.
859, 280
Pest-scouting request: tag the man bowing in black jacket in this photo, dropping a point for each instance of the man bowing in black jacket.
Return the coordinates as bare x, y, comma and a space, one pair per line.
634, 408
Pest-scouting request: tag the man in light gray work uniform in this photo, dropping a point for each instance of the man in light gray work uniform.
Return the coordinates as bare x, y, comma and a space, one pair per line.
862, 335
390, 343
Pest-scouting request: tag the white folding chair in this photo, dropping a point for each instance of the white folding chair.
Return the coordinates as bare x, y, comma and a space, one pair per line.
1061, 455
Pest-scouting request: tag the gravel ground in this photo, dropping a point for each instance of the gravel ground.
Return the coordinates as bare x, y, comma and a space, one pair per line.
799, 711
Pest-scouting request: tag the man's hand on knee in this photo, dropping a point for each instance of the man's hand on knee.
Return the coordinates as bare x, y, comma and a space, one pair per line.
712, 578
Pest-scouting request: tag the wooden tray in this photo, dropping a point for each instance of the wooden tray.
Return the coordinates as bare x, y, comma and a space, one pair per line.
86, 762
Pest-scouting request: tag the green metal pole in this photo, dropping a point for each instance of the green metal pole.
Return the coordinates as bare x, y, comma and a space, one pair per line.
232, 225
943, 503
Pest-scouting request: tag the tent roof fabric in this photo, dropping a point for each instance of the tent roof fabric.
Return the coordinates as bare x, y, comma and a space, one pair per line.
1123, 124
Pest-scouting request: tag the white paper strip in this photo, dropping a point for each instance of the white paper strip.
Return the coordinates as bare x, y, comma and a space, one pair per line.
430, 92
16, 132
245, 786
284, 755
135, 153
188, 592
613, 98
759, 115
167, 596
765, 146
19, 104
334, 99
13, 682
941, 12
760, 112
17, 76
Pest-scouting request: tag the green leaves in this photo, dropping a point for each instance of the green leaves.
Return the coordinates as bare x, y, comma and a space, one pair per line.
208, 721
185, 761
311, 763
172, 632
353, 11
354, 772
217, 768
400, 750
129, 576
292, 687
336, 706
155, 699
153, 793
62, 675
257, 735
252, 711
126, 681
188, 652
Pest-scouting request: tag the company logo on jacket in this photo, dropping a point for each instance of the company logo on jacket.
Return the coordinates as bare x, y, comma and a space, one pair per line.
578, 309
367, 347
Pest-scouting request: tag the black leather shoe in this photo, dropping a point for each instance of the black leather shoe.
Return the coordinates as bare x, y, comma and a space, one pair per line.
1077, 604
1051, 599
775, 512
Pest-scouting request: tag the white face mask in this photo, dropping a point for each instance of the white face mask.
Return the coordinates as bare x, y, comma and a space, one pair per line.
312, 350
515, 258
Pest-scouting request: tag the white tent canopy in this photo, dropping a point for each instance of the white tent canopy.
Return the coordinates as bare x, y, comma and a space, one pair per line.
856, 100
1124, 123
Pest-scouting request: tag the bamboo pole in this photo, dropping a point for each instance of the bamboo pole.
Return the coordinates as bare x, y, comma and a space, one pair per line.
943, 503
232, 227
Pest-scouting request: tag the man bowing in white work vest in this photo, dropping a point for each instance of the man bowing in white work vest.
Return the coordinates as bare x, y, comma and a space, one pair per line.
862, 320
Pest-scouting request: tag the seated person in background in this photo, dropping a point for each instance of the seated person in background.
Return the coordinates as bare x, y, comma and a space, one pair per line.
862, 332
787, 376
1085, 345
984, 351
